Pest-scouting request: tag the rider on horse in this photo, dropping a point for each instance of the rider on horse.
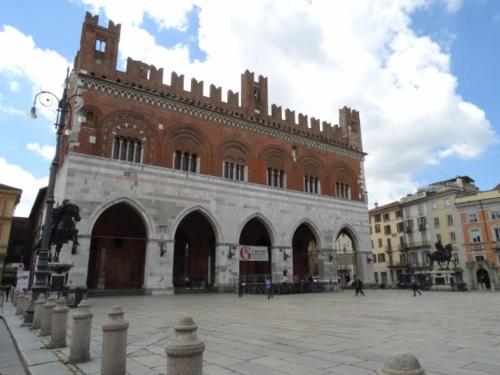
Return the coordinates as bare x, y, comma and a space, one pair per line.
63, 228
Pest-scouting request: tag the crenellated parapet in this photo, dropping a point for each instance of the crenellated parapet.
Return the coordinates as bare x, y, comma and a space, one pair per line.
98, 56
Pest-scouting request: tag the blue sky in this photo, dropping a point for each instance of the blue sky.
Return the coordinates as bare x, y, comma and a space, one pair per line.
424, 74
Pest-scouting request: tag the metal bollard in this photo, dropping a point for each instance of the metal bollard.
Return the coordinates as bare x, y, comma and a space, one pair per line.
59, 324
79, 351
37, 316
47, 316
114, 343
185, 353
20, 304
402, 364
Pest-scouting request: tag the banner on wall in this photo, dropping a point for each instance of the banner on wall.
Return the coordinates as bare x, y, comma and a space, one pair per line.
253, 253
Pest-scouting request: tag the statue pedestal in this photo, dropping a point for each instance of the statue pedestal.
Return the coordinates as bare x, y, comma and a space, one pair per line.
59, 275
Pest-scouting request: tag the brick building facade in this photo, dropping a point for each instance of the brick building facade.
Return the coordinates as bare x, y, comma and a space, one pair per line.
171, 182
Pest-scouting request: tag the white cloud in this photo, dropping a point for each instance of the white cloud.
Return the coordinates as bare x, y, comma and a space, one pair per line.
14, 86
322, 55
45, 69
46, 151
15, 176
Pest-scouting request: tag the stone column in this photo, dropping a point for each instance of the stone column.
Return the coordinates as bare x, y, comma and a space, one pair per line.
47, 316
80, 340
185, 353
37, 316
114, 343
59, 324
20, 304
402, 364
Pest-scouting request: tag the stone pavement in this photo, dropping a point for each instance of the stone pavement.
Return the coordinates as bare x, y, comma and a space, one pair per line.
450, 332
10, 363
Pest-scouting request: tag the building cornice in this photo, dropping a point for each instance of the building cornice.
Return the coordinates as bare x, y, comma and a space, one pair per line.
176, 105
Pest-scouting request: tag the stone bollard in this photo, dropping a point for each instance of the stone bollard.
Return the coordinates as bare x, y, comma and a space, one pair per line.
47, 316
37, 316
114, 343
79, 351
20, 304
14, 297
27, 302
59, 324
402, 364
185, 353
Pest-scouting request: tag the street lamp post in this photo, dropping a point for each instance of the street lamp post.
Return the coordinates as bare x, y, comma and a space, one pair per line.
40, 284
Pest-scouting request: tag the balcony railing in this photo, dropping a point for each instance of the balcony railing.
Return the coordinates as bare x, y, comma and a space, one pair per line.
408, 229
413, 244
422, 227
388, 249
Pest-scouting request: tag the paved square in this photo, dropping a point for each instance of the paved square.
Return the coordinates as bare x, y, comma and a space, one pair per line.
450, 333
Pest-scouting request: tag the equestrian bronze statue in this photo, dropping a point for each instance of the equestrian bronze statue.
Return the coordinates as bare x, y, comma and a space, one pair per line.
63, 227
443, 254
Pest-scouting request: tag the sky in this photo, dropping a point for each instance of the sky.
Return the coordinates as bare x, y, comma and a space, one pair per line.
424, 74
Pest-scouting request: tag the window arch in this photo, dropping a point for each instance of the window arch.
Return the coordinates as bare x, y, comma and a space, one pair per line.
128, 137
234, 155
276, 161
344, 184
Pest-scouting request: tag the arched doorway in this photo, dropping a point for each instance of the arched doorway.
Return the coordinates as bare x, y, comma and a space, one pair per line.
305, 254
345, 248
117, 249
255, 233
194, 252
483, 279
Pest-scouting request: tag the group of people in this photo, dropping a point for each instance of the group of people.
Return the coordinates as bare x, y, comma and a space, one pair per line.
357, 285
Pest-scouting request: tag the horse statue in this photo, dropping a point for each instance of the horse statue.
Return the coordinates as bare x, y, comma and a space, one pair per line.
441, 255
63, 228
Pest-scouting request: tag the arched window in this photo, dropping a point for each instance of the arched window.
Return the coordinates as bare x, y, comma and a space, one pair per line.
185, 161
127, 149
234, 170
275, 177
343, 191
311, 184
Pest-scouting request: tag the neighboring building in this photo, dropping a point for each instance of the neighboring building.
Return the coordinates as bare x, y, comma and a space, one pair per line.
387, 240
429, 216
480, 219
19, 249
171, 183
9, 198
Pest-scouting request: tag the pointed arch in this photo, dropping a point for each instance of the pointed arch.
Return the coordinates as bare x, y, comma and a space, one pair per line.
137, 206
312, 227
267, 224
206, 213
351, 232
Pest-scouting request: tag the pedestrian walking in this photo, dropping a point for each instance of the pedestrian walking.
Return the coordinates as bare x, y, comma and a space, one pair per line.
7, 291
414, 287
240, 288
358, 286
269, 288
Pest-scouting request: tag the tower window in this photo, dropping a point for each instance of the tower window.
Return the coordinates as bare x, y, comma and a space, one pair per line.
100, 45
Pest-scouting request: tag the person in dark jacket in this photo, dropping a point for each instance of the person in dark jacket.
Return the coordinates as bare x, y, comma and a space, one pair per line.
414, 287
358, 286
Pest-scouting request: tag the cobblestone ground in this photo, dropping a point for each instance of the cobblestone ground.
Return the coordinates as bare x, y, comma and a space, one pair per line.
450, 333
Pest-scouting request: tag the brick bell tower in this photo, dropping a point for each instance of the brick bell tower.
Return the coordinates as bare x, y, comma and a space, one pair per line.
253, 94
98, 52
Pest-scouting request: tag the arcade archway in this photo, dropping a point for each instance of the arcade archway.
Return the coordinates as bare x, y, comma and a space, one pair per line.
194, 252
483, 279
305, 253
255, 233
347, 262
117, 249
